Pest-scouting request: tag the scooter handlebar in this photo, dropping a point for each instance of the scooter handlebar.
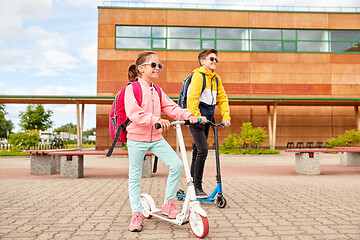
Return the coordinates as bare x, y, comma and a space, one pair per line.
207, 121
184, 122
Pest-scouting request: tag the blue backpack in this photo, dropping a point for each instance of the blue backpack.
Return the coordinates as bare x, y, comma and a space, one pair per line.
184, 89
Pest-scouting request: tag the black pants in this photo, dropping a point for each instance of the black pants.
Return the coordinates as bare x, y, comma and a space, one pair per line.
200, 135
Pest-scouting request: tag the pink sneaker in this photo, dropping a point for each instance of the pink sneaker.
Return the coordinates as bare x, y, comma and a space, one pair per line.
169, 209
136, 222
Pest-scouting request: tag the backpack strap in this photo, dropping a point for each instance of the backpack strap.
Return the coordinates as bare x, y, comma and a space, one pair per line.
158, 90
204, 82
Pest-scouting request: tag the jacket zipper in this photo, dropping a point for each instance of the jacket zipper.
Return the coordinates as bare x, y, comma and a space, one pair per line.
153, 111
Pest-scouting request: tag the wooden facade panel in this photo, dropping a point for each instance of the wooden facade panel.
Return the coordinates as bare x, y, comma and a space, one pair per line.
344, 21
102, 110
303, 110
233, 57
345, 78
106, 42
290, 68
107, 30
345, 58
132, 16
340, 130
305, 121
344, 121
343, 111
288, 20
308, 58
346, 68
304, 132
346, 90
111, 65
291, 89
203, 18
239, 88
234, 77
106, 54
290, 78
238, 67
188, 56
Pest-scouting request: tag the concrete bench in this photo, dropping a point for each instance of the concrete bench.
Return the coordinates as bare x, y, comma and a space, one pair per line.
72, 162
42, 163
307, 160
350, 156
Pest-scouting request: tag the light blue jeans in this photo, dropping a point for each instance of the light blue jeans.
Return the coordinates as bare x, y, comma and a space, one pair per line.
164, 151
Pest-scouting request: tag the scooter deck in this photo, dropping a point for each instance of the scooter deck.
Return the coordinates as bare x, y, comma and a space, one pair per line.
158, 213
199, 199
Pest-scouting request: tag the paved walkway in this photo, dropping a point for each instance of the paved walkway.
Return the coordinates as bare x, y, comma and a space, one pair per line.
266, 200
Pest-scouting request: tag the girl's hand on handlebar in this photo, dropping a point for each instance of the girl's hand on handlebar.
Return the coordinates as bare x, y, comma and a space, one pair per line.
192, 119
165, 124
227, 124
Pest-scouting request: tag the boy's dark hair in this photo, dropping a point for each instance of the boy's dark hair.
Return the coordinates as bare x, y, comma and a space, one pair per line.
203, 54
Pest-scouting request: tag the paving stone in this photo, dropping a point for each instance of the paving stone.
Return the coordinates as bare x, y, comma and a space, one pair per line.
259, 207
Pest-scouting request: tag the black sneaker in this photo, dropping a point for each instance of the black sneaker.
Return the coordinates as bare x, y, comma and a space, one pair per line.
200, 193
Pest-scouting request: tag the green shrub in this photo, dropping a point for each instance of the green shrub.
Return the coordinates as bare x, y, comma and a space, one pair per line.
253, 136
233, 141
350, 137
25, 140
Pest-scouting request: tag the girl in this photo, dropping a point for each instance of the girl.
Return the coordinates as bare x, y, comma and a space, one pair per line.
142, 135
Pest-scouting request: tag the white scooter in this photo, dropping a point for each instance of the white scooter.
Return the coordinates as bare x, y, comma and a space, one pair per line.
191, 212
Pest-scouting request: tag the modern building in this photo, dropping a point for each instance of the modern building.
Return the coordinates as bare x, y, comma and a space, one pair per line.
263, 53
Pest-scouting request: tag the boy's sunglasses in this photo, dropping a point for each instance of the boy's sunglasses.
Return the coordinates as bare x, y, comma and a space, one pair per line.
153, 65
214, 59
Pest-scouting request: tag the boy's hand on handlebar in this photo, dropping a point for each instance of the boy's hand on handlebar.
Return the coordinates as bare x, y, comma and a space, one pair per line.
203, 120
165, 124
227, 124
192, 119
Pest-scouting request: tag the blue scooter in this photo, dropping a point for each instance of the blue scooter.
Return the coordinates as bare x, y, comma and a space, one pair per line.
220, 199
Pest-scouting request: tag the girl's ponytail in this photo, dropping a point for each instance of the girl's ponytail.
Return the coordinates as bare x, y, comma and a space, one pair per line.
132, 73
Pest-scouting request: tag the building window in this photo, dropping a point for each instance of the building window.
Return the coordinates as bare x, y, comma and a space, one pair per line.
237, 39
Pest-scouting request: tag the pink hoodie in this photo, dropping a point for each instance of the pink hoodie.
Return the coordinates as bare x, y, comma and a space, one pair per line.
144, 118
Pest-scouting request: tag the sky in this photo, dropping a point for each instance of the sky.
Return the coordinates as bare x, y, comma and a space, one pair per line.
49, 47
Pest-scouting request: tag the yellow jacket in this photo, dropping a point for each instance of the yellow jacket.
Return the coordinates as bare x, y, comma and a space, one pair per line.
203, 104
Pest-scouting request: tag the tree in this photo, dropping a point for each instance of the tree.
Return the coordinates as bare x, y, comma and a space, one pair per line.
35, 117
89, 132
69, 127
5, 125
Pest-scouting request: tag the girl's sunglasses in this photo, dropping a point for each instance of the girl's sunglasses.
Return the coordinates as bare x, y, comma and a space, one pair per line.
153, 65
214, 59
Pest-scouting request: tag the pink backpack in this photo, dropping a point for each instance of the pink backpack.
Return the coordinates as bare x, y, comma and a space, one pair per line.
118, 121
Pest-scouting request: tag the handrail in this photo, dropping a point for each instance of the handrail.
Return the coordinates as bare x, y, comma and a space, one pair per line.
233, 7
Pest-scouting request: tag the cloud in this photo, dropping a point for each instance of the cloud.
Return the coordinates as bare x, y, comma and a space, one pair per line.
13, 13
89, 53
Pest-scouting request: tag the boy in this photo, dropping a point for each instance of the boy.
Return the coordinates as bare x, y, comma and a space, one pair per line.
202, 104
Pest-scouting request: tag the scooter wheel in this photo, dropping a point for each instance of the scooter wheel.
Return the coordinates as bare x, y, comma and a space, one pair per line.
199, 225
146, 207
221, 202
180, 192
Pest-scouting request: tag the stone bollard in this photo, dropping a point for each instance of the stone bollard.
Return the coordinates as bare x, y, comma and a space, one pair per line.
42, 164
72, 166
349, 158
307, 163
